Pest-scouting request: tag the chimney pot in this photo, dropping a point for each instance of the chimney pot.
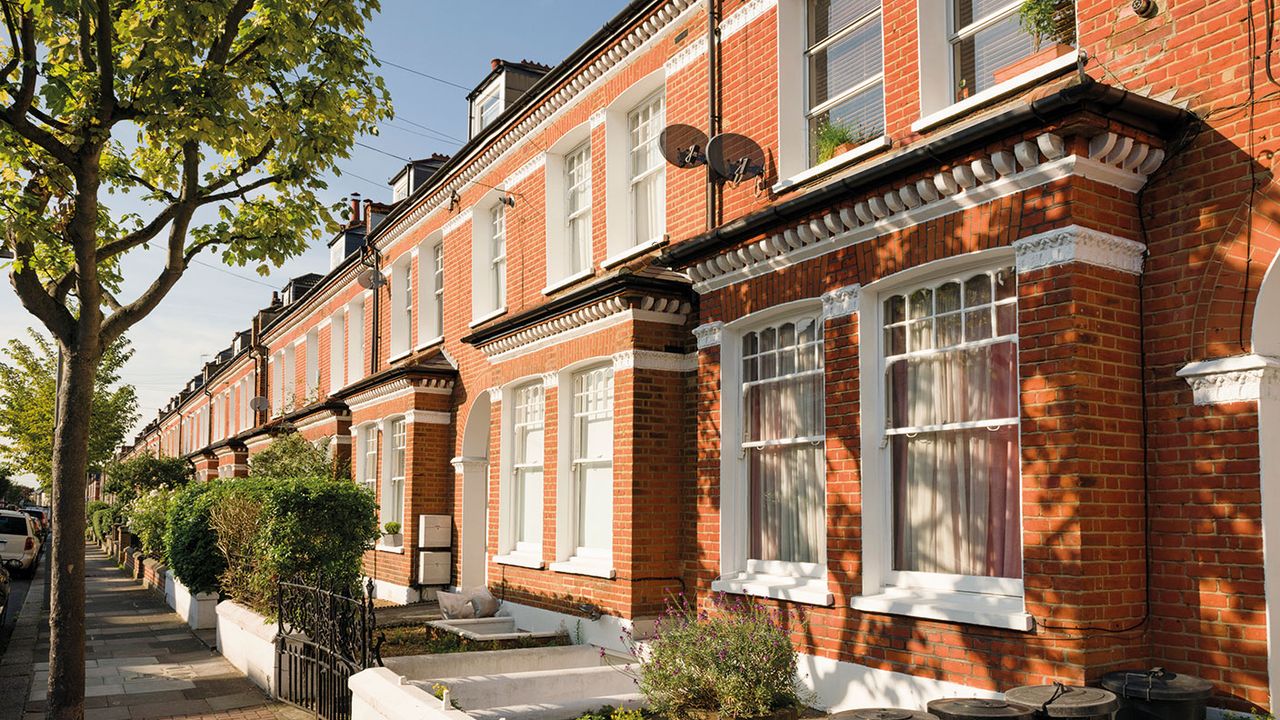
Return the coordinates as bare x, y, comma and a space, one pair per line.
495, 63
355, 208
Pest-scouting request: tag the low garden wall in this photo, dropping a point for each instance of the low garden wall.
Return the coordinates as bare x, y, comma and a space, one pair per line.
247, 640
199, 610
380, 694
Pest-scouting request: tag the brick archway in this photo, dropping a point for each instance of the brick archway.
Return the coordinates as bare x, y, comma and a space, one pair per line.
472, 469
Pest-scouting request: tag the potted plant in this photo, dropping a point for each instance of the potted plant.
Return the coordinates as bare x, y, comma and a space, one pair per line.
392, 536
1052, 20
835, 139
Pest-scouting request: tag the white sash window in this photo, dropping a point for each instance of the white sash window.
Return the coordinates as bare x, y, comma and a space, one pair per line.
592, 461
527, 470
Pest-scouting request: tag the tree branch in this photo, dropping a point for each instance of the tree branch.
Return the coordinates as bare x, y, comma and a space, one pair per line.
241, 191
246, 166
106, 64
16, 114
230, 31
142, 235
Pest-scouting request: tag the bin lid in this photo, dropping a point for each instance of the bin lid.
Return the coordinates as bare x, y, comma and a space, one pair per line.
964, 708
1065, 701
882, 714
1157, 684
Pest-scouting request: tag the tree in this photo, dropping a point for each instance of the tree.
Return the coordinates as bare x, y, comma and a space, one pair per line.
27, 398
11, 493
142, 473
291, 456
213, 123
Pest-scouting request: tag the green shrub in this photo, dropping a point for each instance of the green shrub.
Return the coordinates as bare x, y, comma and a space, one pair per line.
391, 528
193, 548
736, 658
292, 456
148, 518
128, 479
91, 508
102, 521
304, 529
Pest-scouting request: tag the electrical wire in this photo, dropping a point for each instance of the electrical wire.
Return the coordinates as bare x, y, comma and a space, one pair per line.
384, 152
425, 75
441, 133
411, 131
211, 266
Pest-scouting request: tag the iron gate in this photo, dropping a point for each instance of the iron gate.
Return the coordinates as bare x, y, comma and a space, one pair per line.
323, 638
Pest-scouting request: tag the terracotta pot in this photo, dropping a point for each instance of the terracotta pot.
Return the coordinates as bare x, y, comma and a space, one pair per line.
1036, 59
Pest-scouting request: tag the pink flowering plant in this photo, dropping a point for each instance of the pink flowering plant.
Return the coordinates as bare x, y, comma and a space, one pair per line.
734, 658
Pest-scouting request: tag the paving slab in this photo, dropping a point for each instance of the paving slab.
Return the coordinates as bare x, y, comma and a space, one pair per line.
142, 661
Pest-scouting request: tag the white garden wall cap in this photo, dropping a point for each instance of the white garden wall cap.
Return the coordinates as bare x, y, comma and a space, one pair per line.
232, 612
1113, 159
386, 696
1240, 378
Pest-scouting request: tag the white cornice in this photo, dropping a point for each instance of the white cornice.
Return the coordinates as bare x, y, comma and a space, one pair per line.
1078, 244
1242, 378
429, 417
643, 36
495, 394
365, 398
686, 55
587, 319
1026, 165
654, 360
457, 221
708, 335
841, 302
730, 26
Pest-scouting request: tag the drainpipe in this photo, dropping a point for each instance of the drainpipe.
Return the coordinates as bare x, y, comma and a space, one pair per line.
714, 187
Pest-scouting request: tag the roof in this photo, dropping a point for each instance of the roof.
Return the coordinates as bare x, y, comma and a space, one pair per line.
499, 66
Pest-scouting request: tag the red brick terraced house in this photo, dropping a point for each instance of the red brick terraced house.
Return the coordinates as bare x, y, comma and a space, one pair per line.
964, 344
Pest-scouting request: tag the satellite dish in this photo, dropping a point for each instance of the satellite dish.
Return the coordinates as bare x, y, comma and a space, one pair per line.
735, 157
683, 145
258, 404
370, 279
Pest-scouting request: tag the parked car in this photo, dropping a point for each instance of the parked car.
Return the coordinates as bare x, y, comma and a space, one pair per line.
19, 542
41, 515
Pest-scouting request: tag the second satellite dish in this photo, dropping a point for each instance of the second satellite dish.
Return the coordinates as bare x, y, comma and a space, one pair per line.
683, 145
735, 157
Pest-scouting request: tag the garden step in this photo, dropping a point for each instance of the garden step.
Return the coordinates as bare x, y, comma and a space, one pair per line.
538, 686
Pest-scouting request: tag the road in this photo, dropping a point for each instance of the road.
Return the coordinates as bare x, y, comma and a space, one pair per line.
18, 588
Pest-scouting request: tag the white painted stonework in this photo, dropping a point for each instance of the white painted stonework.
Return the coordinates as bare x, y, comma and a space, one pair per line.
1078, 244
1243, 378
841, 302
708, 335
247, 641
199, 610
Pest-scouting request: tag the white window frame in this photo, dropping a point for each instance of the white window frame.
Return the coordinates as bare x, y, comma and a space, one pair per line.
366, 454
401, 307
850, 92
394, 470
621, 244
656, 105
496, 93
572, 557
797, 582
560, 273
430, 291
312, 368
580, 158
277, 383
337, 350
289, 378
937, 70
488, 267
995, 602
516, 427
355, 340
793, 99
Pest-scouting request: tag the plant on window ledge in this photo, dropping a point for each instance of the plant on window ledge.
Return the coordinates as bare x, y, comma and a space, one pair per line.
392, 536
1053, 19
834, 139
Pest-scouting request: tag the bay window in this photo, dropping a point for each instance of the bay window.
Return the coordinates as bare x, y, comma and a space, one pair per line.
591, 466
844, 60
524, 505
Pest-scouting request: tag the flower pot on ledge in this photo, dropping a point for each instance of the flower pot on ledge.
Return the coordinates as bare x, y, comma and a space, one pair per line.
396, 540
1045, 54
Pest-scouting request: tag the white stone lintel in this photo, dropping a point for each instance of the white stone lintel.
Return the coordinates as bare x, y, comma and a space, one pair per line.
1241, 378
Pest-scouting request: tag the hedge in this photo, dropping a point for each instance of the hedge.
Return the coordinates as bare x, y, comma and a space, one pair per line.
192, 546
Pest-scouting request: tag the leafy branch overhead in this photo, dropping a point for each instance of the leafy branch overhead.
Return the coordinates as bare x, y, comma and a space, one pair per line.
235, 106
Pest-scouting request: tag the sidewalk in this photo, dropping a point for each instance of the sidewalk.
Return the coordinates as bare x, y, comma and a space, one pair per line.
142, 661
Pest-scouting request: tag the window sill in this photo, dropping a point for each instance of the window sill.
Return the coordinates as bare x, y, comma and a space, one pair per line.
632, 252
1056, 66
399, 356
396, 549
583, 567
520, 560
430, 343
835, 163
566, 282
810, 591
486, 318
998, 611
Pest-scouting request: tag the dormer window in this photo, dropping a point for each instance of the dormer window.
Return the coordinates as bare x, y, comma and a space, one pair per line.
487, 107
506, 82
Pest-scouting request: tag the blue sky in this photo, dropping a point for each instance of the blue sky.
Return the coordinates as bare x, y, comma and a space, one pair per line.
445, 38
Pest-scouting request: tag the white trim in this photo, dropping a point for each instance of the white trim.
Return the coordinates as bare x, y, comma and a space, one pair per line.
631, 252
742, 17
396, 549
1056, 66
524, 172
999, 611
993, 176
399, 594
456, 222
845, 158
654, 360
685, 56
430, 343
399, 356
566, 282
487, 317
579, 566
1242, 378
428, 417
708, 334
1078, 244
495, 394
596, 119
585, 320
396, 390
841, 302
807, 590
520, 560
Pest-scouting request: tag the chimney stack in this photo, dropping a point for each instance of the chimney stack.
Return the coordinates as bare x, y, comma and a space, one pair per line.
495, 63
355, 208
368, 216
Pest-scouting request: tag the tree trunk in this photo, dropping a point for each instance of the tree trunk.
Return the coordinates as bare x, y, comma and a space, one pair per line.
66, 561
